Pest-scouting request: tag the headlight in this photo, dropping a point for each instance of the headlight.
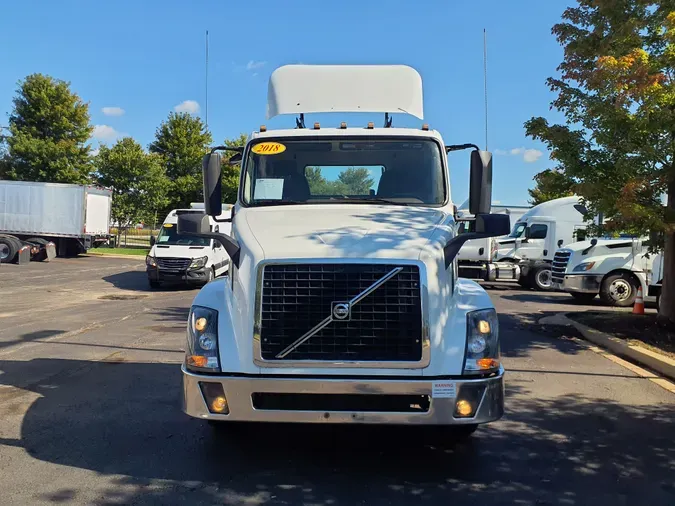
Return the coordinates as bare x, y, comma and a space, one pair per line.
198, 263
201, 353
150, 261
482, 347
586, 266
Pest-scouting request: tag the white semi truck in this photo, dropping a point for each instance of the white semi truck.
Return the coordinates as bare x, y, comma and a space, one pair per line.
538, 234
477, 258
343, 303
73, 217
611, 268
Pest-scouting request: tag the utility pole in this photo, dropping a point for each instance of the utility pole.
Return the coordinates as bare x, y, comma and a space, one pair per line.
485, 85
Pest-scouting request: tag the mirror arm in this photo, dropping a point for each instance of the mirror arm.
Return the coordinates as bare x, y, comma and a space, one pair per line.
459, 147
453, 246
237, 149
231, 246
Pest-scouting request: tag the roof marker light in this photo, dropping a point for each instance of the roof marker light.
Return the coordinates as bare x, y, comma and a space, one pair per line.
343, 125
425, 127
263, 128
371, 125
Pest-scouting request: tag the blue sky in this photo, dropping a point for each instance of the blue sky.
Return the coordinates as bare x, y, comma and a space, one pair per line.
142, 59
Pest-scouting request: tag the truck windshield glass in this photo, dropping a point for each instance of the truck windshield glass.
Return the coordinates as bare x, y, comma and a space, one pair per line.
168, 236
343, 170
518, 230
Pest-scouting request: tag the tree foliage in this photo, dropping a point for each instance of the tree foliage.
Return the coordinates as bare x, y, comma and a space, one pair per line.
550, 184
351, 181
182, 140
137, 179
49, 128
616, 90
231, 171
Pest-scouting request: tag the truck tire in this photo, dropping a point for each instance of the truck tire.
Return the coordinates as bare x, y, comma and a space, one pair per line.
8, 249
619, 289
583, 298
540, 278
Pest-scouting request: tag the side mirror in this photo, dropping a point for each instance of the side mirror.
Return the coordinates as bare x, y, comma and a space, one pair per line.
193, 224
480, 183
493, 225
560, 243
211, 170
153, 240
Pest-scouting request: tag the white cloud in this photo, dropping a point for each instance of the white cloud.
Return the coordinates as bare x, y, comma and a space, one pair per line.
95, 151
532, 155
189, 106
105, 133
529, 155
113, 111
253, 65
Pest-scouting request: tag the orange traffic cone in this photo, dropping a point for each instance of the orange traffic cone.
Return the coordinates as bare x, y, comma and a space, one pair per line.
639, 306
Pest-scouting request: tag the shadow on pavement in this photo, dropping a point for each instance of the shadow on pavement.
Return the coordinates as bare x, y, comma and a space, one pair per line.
123, 422
521, 332
138, 281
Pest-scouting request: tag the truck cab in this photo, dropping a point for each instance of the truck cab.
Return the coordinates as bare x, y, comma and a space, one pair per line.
343, 303
540, 232
185, 259
614, 268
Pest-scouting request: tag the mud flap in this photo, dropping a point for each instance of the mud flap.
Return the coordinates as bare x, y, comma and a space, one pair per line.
49, 252
23, 255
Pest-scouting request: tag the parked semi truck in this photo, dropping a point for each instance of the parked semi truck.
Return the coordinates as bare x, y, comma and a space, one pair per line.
477, 258
73, 217
344, 305
611, 268
538, 234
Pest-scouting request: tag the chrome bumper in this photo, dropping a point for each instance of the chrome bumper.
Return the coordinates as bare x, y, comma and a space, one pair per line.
580, 283
441, 411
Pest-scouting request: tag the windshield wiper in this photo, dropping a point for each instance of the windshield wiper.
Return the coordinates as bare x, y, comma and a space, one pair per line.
377, 200
277, 202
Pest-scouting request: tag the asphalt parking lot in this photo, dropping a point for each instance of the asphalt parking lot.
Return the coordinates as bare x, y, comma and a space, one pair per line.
89, 414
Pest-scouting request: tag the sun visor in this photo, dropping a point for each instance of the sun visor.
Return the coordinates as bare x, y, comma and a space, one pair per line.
305, 89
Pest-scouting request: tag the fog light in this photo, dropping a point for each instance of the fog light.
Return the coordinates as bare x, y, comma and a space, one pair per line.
215, 398
219, 405
464, 408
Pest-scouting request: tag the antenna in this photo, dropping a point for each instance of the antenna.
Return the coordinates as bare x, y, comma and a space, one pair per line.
485, 85
206, 99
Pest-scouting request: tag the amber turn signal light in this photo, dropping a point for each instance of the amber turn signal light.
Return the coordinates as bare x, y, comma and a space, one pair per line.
487, 363
197, 360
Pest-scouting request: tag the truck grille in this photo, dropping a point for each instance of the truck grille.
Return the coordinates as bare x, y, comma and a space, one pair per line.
384, 326
173, 264
560, 261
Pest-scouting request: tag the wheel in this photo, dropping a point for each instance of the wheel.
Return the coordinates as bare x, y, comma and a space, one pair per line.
8, 249
541, 278
619, 290
154, 284
583, 298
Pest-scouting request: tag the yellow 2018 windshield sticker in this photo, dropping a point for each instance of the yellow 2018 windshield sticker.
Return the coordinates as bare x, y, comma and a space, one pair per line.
268, 148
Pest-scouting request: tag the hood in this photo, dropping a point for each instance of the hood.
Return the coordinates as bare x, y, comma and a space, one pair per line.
343, 231
173, 251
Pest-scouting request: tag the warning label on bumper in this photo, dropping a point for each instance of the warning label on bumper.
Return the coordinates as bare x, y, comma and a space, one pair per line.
443, 390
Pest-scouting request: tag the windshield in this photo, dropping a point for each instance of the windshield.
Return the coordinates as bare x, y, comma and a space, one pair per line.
344, 170
168, 236
518, 229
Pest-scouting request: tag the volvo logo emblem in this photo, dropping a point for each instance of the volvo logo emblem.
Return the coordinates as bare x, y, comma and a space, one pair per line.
341, 311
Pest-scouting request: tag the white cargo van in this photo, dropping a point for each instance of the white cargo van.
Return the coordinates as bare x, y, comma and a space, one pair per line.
612, 268
343, 303
184, 259
656, 279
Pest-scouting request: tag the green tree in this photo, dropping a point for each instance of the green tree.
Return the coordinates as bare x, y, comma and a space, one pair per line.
231, 171
182, 140
550, 184
617, 92
49, 128
357, 180
137, 179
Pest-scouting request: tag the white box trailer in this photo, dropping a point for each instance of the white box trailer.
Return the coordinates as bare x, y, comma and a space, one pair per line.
73, 217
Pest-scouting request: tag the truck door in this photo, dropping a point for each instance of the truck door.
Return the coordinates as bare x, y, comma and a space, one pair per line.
533, 244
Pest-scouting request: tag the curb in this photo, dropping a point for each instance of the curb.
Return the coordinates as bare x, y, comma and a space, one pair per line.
655, 361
